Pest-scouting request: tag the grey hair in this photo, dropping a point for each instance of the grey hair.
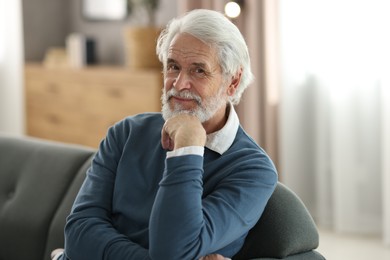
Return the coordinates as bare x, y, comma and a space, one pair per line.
214, 29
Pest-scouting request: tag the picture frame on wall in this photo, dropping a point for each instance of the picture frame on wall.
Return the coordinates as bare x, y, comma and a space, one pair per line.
110, 10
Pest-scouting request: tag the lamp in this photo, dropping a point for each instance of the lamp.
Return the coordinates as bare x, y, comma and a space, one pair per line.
233, 8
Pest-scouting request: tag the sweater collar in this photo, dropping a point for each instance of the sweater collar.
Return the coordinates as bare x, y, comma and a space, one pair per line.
221, 140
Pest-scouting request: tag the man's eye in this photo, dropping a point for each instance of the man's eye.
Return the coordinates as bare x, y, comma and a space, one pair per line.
172, 67
200, 71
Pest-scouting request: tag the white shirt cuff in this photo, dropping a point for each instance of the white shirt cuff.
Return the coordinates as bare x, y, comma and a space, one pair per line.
188, 150
58, 255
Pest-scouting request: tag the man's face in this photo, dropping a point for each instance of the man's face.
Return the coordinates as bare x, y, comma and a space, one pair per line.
193, 81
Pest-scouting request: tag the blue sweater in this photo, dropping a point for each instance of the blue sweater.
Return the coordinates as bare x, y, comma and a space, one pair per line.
136, 204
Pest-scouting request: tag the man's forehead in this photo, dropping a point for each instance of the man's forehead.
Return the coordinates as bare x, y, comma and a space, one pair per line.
190, 49
189, 55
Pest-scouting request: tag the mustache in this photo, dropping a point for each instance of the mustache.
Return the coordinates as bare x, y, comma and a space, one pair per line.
182, 94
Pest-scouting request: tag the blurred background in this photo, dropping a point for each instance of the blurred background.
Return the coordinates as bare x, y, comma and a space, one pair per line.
320, 104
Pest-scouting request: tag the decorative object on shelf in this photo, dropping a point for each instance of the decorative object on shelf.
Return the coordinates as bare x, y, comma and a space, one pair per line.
140, 40
80, 50
56, 57
149, 7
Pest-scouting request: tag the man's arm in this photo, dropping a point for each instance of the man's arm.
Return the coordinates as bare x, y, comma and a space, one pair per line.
89, 233
185, 225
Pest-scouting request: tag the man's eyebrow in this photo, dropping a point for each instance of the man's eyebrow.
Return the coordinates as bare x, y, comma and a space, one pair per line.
199, 64
196, 64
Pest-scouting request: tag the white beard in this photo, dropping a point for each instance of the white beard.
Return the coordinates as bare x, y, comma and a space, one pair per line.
204, 111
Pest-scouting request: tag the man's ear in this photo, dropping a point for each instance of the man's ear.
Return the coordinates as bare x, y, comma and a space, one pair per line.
235, 82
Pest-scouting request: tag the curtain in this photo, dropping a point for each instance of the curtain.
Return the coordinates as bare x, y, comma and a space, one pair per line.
386, 149
258, 109
11, 68
334, 140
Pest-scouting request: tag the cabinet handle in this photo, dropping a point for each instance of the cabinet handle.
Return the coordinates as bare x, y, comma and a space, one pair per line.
53, 88
54, 119
115, 93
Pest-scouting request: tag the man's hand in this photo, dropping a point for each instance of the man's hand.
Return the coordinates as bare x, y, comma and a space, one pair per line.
181, 131
55, 253
214, 257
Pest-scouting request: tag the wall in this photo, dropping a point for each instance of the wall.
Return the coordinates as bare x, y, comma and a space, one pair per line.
47, 24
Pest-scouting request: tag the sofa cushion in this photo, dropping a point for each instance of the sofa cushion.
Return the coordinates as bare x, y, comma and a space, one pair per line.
34, 177
310, 255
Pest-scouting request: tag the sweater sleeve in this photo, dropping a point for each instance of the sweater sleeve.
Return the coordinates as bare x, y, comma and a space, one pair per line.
89, 232
186, 225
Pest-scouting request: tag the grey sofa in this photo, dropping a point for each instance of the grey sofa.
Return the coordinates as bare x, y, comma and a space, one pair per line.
286, 231
39, 181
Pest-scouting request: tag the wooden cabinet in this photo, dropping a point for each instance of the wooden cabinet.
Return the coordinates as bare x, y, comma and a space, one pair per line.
79, 105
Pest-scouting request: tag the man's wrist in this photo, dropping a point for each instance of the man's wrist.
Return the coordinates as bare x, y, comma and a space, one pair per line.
188, 150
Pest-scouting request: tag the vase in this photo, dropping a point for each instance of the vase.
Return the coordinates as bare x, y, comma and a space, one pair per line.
140, 47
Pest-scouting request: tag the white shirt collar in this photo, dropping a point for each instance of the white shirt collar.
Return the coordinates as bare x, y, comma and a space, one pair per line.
221, 140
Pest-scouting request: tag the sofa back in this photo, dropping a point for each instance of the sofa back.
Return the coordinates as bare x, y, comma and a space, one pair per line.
39, 181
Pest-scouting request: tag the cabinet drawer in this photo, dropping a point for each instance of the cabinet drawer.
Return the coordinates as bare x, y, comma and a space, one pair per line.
78, 106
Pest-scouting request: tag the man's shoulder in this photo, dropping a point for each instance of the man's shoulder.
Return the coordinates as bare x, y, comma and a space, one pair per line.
143, 119
243, 139
144, 123
245, 145
245, 150
146, 117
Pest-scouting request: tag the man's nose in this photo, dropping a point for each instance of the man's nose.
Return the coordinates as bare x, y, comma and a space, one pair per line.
183, 81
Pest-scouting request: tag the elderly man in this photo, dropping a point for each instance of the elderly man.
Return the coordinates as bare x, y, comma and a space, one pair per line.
187, 183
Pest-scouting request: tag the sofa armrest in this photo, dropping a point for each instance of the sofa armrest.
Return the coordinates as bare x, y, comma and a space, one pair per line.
55, 237
285, 229
35, 175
